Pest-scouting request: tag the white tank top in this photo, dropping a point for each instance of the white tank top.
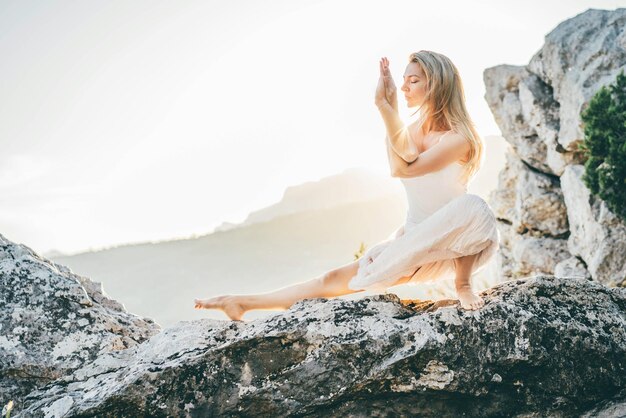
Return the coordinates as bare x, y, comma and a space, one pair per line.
426, 194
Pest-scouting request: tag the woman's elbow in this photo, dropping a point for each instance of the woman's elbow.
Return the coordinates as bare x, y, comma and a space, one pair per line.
407, 173
411, 158
397, 173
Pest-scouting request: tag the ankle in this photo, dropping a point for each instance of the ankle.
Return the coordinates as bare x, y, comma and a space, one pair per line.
464, 288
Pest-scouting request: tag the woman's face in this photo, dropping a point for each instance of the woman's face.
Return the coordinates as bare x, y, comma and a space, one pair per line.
414, 86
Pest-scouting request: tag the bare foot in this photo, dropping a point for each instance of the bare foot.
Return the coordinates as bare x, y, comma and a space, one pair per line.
230, 304
469, 300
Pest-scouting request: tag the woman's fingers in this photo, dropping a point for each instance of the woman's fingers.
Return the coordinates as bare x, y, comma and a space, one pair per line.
381, 95
388, 83
385, 91
386, 70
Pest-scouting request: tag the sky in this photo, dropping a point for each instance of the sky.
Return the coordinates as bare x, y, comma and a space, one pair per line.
134, 121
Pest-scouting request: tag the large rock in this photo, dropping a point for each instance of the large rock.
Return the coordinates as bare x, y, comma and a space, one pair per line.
502, 84
54, 321
578, 57
597, 235
522, 255
532, 220
503, 198
540, 346
530, 200
538, 255
528, 117
537, 108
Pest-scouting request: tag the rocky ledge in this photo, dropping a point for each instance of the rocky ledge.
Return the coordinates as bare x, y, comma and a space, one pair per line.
540, 346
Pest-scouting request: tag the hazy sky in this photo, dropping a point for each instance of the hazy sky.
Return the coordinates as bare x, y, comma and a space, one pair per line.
127, 121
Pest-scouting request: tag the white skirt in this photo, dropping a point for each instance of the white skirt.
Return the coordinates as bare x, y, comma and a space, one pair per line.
425, 250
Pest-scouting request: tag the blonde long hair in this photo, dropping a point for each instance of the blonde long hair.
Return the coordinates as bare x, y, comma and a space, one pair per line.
444, 104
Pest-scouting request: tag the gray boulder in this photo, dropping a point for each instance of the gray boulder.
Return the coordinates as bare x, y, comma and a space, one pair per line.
597, 236
530, 200
541, 346
578, 57
540, 194
54, 322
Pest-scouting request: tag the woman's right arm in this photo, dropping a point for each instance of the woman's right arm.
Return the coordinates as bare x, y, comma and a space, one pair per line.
396, 163
386, 100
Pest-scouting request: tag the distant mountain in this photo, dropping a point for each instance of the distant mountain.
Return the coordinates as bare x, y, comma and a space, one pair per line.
353, 185
53, 253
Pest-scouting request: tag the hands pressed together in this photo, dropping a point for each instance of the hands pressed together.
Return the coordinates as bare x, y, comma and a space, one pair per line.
386, 91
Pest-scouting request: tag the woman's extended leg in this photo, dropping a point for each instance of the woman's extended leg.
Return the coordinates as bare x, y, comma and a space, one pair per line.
330, 284
463, 269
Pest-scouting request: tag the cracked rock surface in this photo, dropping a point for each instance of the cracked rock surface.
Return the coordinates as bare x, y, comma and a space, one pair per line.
554, 345
54, 321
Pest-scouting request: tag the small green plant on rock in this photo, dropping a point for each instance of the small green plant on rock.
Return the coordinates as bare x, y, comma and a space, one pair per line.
604, 145
360, 251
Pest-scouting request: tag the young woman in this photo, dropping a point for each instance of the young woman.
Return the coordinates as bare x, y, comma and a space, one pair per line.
448, 232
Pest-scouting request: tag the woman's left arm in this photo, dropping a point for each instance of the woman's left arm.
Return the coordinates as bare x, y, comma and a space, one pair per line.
445, 152
396, 163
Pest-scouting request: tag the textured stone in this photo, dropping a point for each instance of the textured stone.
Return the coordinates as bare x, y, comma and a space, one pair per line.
505, 265
538, 106
597, 235
578, 57
540, 192
521, 255
534, 255
54, 321
571, 267
502, 198
502, 84
539, 344
530, 200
